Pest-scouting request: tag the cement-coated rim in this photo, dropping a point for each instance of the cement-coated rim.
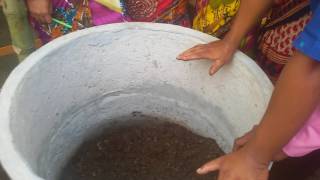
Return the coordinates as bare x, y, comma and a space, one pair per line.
11, 160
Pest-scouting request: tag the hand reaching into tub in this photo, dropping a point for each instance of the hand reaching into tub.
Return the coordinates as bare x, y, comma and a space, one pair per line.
220, 52
240, 165
40, 10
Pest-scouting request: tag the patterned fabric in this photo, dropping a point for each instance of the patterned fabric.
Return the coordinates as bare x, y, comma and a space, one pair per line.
276, 43
285, 11
173, 12
271, 68
140, 10
214, 16
287, 20
104, 15
160, 11
86, 13
74, 13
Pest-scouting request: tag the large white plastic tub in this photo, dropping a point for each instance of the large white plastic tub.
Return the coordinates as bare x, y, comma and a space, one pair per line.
76, 85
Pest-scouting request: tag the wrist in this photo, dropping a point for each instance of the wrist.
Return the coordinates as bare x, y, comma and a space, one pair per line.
232, 40
230, 47
259, 151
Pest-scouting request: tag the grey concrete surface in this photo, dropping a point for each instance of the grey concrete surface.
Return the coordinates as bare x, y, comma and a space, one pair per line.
80, 83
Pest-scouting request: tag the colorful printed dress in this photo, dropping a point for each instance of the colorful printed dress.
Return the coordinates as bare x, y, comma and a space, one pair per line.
75, 14
160, 11
273, 37
72, 15
214, 16
287, 19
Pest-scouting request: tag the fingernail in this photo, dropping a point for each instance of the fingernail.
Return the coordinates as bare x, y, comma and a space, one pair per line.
199, 170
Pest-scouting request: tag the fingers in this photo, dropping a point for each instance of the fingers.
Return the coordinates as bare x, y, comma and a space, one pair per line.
183, 55
215, 67
237, 145
197, 52
192, 54
241, 141
47, 19
215, 51
213, 165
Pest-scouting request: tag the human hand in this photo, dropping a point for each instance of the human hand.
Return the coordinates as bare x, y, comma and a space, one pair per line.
240, 165
40, 10
243, 140
221, 52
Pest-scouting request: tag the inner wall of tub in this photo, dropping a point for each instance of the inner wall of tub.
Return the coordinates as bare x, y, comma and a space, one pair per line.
79, 88
89, 120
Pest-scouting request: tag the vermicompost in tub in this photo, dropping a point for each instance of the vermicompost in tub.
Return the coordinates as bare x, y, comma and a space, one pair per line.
74, 86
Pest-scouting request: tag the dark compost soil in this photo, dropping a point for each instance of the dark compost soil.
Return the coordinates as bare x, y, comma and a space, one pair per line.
148, 150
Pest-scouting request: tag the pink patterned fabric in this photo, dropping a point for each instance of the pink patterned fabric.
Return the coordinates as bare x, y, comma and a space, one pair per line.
307, 139
102, 15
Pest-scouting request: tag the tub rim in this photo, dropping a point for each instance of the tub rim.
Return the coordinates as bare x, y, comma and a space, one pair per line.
13, 163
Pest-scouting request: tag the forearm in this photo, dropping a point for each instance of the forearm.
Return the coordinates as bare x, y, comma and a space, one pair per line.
249, 13
295, 97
